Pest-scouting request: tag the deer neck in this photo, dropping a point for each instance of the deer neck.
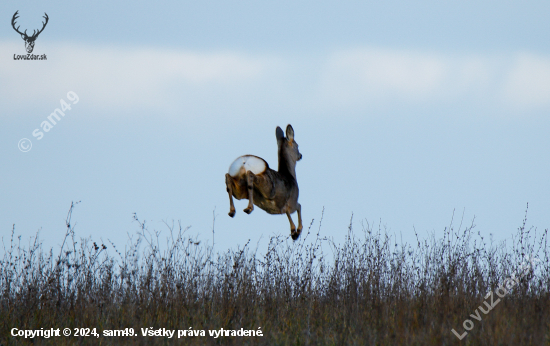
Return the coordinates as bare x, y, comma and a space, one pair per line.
287, 166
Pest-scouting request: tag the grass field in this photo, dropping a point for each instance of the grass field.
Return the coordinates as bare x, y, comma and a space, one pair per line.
370, 290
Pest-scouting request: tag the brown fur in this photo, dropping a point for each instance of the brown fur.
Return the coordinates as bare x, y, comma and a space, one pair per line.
276, 192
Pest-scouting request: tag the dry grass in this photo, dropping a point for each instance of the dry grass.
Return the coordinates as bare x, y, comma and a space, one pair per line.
371, 290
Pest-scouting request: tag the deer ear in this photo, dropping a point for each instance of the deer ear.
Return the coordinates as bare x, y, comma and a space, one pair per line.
289, 133
279, 134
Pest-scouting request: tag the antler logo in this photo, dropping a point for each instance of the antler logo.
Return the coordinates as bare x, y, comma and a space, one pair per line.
29, 40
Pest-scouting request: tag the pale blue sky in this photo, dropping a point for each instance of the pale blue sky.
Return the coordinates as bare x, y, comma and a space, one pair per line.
403, 111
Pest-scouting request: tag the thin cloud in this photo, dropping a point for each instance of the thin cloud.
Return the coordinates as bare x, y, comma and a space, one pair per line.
528, 82
378, 76
356, 75
127, 77
114, 78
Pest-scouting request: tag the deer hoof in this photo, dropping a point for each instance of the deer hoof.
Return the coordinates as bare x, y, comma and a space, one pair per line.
295, 235
231, 213
248, 210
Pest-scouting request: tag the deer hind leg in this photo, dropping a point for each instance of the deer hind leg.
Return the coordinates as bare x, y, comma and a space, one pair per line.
250, 186
229, 185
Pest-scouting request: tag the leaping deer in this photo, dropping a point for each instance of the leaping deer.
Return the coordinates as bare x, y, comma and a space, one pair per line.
276, 192
29, 40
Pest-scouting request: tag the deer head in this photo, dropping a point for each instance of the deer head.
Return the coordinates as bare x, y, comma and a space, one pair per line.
29, 40
288, 151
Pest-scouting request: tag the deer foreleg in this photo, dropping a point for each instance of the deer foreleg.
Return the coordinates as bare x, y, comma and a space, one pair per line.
295, 233
299, 210
250, 186
292, 227
229, 185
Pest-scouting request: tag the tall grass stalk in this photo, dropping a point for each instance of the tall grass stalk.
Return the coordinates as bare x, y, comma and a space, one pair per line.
370, 290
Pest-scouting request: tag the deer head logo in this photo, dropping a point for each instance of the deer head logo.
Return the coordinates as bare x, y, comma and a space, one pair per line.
29, 40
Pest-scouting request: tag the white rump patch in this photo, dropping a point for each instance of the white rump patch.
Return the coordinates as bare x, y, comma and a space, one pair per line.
247, 163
